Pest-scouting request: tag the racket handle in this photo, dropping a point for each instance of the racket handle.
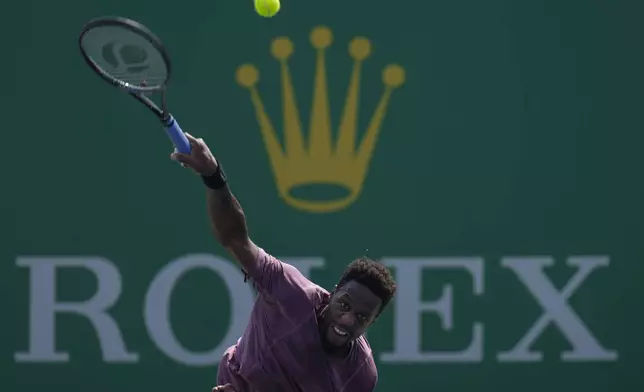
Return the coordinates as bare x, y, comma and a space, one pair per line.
177, 136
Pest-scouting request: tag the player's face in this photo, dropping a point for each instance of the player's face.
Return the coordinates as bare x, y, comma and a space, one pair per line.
352, 309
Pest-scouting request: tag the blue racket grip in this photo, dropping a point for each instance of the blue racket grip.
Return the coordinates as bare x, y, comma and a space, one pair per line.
177, 136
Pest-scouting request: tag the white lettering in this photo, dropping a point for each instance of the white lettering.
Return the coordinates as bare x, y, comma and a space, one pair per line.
157, 304
530, 271
409, 306
43, 308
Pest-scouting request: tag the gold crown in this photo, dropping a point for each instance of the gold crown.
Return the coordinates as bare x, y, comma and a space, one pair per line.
321, 161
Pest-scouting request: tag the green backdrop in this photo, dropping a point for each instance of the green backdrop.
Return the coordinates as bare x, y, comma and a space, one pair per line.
503, 189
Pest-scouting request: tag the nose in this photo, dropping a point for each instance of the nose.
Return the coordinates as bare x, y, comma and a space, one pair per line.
347, 319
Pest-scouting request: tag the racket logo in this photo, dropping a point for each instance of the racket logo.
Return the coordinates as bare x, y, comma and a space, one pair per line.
125, 58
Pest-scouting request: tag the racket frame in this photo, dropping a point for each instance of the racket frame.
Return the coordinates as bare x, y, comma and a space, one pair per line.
172, 128
138, 92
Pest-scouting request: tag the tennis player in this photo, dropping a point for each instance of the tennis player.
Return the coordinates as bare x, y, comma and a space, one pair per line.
300, 338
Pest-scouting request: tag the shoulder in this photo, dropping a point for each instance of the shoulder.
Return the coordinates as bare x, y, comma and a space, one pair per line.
284, 283
362, 350
361, 372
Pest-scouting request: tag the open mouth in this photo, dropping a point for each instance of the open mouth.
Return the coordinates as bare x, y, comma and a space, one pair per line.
339, 331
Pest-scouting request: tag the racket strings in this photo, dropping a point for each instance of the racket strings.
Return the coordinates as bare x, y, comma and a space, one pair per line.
126, 56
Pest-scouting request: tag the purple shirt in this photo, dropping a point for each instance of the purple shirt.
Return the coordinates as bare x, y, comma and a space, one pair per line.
281, 351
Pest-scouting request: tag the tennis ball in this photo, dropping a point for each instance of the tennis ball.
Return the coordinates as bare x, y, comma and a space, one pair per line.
267, 8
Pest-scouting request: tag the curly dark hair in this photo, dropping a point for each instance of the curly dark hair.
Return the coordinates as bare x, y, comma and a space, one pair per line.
375, 276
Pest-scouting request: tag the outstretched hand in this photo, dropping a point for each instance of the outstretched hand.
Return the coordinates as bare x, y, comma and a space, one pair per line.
200, 159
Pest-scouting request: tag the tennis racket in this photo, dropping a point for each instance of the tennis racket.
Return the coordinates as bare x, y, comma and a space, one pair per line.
129, 56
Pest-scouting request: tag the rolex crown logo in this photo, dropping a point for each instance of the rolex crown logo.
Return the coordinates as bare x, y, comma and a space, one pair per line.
318, 159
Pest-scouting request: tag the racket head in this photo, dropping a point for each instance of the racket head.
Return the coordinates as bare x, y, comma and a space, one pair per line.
125, 53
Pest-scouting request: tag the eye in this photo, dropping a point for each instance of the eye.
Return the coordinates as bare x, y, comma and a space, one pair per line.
362, 318
344, 305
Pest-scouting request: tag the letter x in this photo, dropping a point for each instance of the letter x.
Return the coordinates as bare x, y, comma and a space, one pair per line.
530, 271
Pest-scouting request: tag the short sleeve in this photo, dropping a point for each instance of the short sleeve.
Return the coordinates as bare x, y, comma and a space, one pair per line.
281, 281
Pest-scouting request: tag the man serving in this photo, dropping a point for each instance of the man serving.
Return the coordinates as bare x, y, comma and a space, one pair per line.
300, 338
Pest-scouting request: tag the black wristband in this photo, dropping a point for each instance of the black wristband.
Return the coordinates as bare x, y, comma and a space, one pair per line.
217, 180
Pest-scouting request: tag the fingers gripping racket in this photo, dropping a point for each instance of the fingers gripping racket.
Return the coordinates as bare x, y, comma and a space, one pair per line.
129, 56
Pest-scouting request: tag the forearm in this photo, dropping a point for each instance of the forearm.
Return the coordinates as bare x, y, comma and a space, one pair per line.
226, 216
224, 212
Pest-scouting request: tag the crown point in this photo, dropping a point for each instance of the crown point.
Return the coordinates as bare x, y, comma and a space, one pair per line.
360, 48
321, 37
393, 75
247, 75
282, 48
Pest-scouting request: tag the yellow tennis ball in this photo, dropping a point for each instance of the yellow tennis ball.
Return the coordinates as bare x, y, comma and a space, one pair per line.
267, 8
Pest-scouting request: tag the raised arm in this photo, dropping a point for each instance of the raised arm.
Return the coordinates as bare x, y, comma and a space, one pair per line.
229, 224
271, 277
226, 216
